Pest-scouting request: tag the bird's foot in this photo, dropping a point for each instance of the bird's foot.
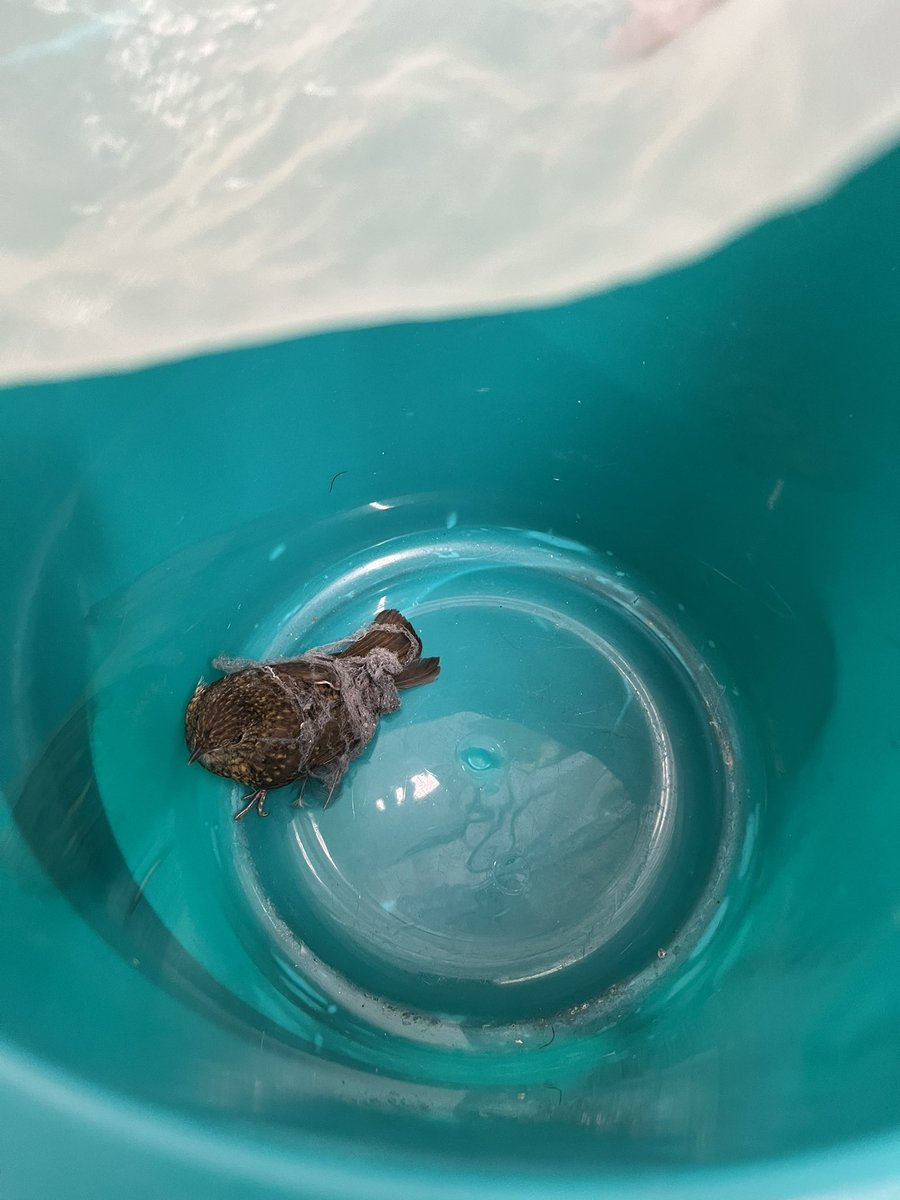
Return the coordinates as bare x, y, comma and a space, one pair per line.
298, 799
256, 798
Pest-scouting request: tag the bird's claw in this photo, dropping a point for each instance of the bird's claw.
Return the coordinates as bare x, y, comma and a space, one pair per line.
257, 799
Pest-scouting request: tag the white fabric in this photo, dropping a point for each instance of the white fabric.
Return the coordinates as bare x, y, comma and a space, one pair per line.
180, 176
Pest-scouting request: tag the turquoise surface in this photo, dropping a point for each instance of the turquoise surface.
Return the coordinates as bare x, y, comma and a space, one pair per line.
613, 907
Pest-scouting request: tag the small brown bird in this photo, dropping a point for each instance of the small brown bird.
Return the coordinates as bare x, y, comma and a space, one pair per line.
268, 724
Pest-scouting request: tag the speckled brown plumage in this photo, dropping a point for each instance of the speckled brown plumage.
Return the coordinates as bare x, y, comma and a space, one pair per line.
268, 724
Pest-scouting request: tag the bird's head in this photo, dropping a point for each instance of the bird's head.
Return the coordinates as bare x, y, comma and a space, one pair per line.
218, 728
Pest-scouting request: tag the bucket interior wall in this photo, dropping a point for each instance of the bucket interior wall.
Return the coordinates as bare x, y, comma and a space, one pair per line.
722, 441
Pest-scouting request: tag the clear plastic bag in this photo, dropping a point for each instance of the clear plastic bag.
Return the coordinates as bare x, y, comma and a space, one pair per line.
184, 176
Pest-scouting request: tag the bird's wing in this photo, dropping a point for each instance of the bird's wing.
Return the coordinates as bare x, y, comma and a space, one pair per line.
329, 730
303, 671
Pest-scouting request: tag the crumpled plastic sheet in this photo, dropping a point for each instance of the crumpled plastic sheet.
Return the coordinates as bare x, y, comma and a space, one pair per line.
182, 176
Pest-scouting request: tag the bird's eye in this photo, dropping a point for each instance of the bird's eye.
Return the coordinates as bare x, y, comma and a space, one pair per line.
234, 741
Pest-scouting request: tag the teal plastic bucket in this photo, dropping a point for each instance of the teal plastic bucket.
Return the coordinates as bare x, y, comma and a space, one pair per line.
611, 909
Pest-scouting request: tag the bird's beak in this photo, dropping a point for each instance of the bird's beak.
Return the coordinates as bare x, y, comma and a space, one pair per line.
195, 755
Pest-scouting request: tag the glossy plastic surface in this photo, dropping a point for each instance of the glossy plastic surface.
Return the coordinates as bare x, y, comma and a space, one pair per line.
610, 909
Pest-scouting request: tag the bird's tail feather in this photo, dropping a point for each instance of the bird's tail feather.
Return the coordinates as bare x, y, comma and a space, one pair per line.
423, 670
389, 631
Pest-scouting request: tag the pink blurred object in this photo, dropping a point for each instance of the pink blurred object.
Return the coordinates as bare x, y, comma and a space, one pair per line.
652, 23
